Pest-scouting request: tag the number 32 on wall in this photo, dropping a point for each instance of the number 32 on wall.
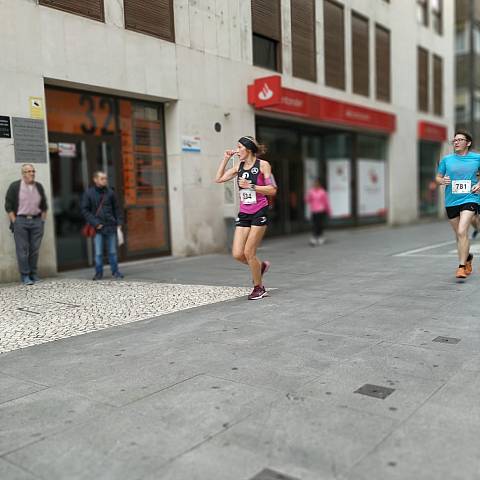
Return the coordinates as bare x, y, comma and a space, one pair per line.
103, 115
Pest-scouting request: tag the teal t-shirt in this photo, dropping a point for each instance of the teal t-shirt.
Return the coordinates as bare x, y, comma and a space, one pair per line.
462, 170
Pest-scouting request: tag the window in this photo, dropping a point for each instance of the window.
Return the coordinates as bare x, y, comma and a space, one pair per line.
265, 52
437, 16
304, 60
460, 114
382, 64
87, 8
437, 85
267, 34
461, 41
153, 17
422, 12
422, 79
360, 55
334, 44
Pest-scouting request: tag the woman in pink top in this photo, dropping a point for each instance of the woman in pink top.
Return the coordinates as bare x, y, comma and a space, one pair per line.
255, 183
319, 205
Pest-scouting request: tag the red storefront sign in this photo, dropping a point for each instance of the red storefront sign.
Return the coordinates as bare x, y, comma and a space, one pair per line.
432, 132
267, 93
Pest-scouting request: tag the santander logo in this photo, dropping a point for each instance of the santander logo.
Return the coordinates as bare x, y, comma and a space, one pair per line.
266, 93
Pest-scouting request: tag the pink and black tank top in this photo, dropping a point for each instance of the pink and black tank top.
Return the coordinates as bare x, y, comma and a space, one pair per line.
250, 200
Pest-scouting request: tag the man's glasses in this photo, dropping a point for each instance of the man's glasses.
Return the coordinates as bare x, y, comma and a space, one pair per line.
458, 140
29, 171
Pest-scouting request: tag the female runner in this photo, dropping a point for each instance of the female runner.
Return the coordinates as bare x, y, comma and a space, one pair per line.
255, 182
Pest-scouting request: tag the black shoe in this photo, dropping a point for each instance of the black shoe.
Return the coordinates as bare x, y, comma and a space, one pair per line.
117, 275
98, 276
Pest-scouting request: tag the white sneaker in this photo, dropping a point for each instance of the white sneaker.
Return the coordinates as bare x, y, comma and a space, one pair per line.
321, 241
313, 242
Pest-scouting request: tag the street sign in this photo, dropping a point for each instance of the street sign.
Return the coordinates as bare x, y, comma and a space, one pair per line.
5, 130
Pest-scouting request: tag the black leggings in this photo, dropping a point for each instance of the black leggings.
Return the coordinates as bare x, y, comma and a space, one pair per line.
318, 223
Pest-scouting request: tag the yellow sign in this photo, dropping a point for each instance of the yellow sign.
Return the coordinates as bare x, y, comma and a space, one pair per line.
36, 107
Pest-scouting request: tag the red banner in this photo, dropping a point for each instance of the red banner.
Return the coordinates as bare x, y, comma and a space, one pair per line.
432, 132
267, 93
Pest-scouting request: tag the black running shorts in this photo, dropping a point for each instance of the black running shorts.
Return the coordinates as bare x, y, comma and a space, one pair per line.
454, 212
258, 219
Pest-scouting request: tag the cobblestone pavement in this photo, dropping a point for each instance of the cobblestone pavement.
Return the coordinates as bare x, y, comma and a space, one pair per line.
58, 309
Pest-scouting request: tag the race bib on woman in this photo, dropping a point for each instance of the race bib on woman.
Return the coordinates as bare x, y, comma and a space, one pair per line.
461, 186
248, 196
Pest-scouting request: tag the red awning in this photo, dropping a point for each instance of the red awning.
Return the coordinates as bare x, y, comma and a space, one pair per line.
432, 132
268, 94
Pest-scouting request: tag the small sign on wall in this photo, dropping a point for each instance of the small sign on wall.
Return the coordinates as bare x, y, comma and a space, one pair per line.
191, 143
5, 130
30, 145
36, 107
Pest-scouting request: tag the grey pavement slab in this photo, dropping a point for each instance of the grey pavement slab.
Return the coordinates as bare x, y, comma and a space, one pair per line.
13, 472
29, 419
225, 390
147, 433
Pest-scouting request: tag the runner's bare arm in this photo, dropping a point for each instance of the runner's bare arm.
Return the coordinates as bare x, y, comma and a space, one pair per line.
442, 180
271, 188
223, 176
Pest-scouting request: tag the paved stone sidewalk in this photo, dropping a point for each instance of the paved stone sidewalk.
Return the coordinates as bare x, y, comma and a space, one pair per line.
56, 309
228, 390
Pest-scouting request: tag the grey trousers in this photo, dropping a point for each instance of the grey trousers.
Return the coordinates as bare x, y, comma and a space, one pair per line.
28, 234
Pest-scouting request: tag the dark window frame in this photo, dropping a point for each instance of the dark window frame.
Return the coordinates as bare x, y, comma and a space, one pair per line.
387, 98
134, 28
329, 82
277, 41
423, 103
313, 78
51, 4
366, 20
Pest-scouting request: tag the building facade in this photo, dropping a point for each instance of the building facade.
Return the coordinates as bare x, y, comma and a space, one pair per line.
356, 92
467, 53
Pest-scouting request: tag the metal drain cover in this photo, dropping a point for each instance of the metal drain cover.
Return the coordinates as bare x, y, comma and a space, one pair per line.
446, 340
375, 391
267, 474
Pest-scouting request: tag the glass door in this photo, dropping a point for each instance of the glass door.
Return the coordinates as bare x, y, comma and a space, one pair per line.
73, 160
70, 177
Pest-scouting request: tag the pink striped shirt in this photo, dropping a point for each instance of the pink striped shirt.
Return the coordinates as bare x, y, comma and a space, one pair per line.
28, 200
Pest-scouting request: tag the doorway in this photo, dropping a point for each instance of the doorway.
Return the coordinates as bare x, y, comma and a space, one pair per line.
73, 160
125, 139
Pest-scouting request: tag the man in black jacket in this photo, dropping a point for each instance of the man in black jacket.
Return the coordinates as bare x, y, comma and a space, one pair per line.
100, 209
26, 205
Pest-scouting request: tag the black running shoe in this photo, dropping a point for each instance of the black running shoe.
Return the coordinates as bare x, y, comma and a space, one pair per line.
98, 276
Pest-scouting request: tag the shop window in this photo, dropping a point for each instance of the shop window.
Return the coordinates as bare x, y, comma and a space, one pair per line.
87, 8
371, 176
422, 12
360, 55
437, 85
382, 64
303, 39
437, 16
267, 34
422, 79
428, 191
153, 17
334, 44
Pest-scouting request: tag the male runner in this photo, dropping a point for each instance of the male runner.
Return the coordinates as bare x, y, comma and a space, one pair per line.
458, 173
